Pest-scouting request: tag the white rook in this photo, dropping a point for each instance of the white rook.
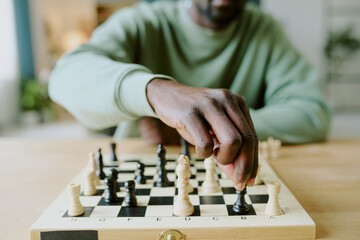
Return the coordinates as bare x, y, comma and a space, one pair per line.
75, 207
273, 206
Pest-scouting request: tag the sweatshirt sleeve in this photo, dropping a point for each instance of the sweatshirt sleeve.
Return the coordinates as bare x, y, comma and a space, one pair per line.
294, 103
98, 82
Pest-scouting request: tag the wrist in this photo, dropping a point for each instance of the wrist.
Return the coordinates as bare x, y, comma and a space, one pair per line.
154, 89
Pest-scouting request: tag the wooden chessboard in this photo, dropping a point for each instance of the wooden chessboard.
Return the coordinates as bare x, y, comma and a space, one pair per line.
213, 217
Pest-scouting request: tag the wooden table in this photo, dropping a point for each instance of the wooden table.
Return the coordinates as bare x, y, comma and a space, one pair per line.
324, 177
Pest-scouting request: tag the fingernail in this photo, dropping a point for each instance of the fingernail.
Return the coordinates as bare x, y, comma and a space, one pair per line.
251, 182
240, 186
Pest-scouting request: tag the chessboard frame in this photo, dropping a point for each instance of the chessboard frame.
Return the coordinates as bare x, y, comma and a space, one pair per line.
295, 223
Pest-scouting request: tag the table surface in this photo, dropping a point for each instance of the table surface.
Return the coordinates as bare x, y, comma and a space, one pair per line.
324, 177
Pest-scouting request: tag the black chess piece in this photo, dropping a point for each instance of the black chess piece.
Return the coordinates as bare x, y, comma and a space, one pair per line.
162, 180
140, 177
113, 157
185, 148
130, 199
113, 174
110, 191
241, 206
99, 160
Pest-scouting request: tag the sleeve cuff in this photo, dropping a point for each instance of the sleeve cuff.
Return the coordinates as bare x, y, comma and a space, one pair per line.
132, 93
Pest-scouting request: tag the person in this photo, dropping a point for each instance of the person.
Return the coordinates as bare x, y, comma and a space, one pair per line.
220, 72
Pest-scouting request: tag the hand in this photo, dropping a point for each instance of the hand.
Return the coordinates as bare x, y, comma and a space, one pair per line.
216, 121
154, 132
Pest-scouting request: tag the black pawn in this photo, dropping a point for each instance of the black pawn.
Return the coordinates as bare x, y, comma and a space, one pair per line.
140, 177
110, 195
113, 157
162, 180
113, 175
130, 199
99, 160
185, 148
241, 206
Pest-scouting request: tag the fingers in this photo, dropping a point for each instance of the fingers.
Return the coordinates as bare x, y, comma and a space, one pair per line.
245, 110
227, 136
196, 131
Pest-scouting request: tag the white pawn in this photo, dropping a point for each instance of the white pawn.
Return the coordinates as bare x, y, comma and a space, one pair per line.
210, 184
89, 184
273, 207
183, 207
92, 167
75, 207
258, 179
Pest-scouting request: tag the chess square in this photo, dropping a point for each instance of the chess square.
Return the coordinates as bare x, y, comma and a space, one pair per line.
171, 165
98, 193
171, 184
128, 166
232, 213
166, 191
231, 198
132, 211
104, 203
171, 177
150, 171
229, 190
131, 161
259, 198
142, 200
259, 208
105, 211
159, 211
257, 189
226, 183
194, 183
126, 171
161, 201
195, 192
211, 200
142, 191
90, 201
194, 199
87, 213
124, 177
213, 210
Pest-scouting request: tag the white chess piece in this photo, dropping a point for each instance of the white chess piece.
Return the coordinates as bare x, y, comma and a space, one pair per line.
274, 147
92, 167
89, 183
263, 150
258, 179
210, 184
273, 206
75, 207
183, 207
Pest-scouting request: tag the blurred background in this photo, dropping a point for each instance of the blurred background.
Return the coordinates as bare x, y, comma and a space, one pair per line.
35, 33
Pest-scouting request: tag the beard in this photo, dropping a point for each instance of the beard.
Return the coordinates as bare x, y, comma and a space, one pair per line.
222, 15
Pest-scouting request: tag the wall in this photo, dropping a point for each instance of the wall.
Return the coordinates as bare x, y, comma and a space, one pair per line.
8, 65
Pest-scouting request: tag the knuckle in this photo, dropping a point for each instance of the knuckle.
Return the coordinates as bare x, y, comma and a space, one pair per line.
234, 141
224, 93
204, 144
242, 99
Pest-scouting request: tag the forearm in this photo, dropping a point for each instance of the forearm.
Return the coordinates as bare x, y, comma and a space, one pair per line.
99, 91
293, 123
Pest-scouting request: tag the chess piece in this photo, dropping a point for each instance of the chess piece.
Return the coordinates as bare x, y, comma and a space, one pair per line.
241, 206
185, 148
130, 199
274, 147
263, 150
113, 174
273, 207
100, 165
140, 177
183, 207
210, 184
258, 179
75, 207
162, 180
113, 157
110, 195
92, 167
89, 184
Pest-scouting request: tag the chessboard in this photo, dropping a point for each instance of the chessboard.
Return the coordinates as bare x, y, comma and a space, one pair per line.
153, 217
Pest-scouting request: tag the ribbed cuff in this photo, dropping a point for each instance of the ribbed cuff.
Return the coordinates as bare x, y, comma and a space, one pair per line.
132, 93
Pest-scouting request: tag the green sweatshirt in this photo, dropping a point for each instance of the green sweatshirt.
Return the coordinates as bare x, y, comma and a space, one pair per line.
103, 83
